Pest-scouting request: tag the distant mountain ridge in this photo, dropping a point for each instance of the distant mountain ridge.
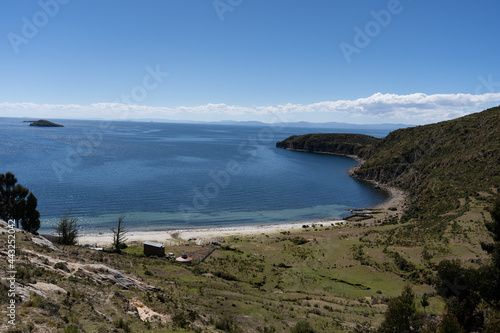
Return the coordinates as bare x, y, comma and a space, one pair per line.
298, 124
438, 164
305, 124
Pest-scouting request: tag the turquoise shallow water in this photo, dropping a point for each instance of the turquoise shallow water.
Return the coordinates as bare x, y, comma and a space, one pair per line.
168, 176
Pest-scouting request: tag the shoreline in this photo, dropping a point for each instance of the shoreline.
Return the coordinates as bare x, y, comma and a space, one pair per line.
200, 235
397, 199
354, 157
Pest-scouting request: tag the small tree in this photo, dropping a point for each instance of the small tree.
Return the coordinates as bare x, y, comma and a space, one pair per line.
15, 206
31, 220
401, 316
450, 324
119, 238
425, 302
67, 230
489, 281
303, 327
494, 226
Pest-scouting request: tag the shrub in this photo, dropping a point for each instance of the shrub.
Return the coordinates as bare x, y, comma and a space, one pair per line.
62, 266
71, 328
303, 327
67, 230
180, 320
23, 273
299, 240
226, 325
120, 323
283, 265
403, 264
401, 315
226, 276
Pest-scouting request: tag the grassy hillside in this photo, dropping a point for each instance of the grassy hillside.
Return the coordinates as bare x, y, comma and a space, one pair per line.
333, 277
442, 165
262, 283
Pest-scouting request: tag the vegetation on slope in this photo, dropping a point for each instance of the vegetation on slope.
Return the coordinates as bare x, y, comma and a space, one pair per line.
335, 278
18, 203
439, 164
261, 283
472, 295
344, 144
452, 173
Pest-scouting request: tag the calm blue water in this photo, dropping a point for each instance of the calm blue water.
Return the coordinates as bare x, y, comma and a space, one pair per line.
167, 176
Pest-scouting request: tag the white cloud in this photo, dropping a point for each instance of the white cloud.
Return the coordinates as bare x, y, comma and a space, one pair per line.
415, 108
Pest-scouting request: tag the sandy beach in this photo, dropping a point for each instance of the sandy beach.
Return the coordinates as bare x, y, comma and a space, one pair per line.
397, 199
196, 235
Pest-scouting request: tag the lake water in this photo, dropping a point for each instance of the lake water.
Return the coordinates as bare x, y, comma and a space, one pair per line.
168, 176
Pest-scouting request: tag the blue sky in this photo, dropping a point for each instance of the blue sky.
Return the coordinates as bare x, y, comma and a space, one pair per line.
365, 61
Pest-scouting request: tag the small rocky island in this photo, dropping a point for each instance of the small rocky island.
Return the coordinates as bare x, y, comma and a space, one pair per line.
43, 123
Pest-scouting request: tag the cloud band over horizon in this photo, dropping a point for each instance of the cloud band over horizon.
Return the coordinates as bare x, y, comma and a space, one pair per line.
415, 108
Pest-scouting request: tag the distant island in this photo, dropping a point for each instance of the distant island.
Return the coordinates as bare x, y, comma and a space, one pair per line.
43, 123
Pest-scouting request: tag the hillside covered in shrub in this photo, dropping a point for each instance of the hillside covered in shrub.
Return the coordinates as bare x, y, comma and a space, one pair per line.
441, 165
